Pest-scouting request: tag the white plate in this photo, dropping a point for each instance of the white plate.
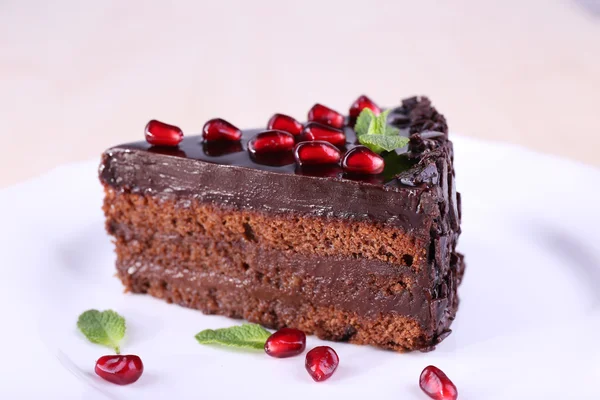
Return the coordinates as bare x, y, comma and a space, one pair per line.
526, 327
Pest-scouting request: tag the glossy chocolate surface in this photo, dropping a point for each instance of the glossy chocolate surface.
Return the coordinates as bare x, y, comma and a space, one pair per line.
227, 173
236, 153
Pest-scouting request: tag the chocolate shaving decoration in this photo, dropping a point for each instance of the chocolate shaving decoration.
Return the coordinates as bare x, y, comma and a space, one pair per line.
422, 115
425, 141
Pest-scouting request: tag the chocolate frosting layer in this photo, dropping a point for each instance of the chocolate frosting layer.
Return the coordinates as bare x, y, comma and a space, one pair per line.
228, 175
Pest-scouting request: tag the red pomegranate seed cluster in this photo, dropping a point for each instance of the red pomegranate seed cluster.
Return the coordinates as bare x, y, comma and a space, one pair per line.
321, 142
321, 362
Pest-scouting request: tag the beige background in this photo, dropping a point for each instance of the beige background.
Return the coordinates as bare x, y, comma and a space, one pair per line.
79, 76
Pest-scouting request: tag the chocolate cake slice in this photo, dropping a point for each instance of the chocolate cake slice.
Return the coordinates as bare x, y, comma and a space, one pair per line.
219, 226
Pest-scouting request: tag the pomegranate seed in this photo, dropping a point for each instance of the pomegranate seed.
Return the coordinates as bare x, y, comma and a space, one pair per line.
321, 362
120, 369
436, 384
161, 134
317, 153
286, 342
316, 131
360, 104
270, 142
285, 123
361, 160
325, 115
219, 129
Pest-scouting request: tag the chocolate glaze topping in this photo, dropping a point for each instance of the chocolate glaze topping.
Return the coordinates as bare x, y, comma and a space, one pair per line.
318, 191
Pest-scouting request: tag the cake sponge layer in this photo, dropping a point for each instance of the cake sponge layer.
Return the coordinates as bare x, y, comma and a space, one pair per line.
311, 273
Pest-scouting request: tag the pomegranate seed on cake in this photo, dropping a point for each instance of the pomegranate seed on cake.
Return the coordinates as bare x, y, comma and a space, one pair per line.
285, 123
360, 104
220, 130
161, 134
361, 160
317, 153
313, 232
325, 115
271, 142
316, 131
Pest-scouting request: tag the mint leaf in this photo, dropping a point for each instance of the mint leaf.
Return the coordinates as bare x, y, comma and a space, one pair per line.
379, 142
378, 135
391, 131
106, 328
250, 336
363, 121
378, 124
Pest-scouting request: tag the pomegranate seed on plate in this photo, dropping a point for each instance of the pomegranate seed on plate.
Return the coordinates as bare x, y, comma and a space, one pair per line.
161, 134
325, 115
271, 142
317, 153
437, 385
316, 131
321, 362
219, 129
119, 369
361, 160
361, 103
285, 123
286, 342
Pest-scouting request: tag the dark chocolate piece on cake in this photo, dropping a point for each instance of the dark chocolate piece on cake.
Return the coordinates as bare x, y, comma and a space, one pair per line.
364, 259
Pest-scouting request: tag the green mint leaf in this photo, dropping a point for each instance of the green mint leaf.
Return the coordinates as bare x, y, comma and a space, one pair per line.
379, 142
106, 328
249, 336
391, 131
363, 121
378, 124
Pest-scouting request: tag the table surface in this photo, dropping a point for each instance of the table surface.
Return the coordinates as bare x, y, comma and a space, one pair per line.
77, 77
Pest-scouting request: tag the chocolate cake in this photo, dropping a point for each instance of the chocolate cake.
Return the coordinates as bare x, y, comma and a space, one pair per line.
219, 226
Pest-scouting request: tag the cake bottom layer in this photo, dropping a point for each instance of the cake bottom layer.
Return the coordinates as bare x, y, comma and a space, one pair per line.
395, 332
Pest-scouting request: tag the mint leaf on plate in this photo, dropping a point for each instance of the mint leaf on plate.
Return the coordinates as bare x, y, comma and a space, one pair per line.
249, 336
379, 143
102, 327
